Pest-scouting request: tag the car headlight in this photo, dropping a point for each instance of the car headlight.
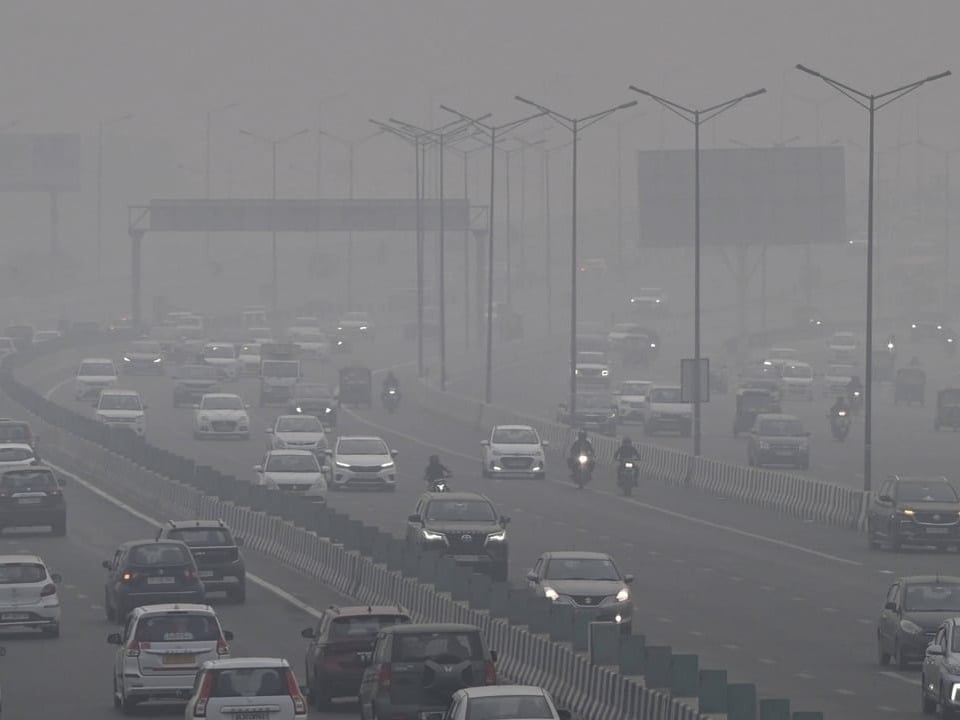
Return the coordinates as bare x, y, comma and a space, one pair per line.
576, 371
653, 345
363, 327
387, 464
341, 464
339, 328
550, 593
430, 535
328, 410
604, 373
298, 410
498, 536
910, 627
623, 595
657, 301
126, 359
913, 326
158, 359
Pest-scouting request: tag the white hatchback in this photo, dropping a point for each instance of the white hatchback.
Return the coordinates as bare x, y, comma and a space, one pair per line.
221, 415
250, 688
13, 455
122, 409
293, 471
297, 432
28, 595
93, 376
514, 450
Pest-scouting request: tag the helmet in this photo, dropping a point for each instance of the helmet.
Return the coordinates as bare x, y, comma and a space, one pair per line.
582, 435
627, 440
434, 459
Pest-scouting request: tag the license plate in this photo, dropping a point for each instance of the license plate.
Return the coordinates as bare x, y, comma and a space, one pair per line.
785, 452
937, 531
28, 501
179, 659
206, 573
468, 558
250, 716
15, 616
161, 580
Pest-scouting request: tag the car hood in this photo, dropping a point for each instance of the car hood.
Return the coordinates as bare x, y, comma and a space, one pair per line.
96, 378
294, 478
929, 621
300, 437
462, 528
364, 459
671, 408
516, 449
120, 414
599, 588
223, 414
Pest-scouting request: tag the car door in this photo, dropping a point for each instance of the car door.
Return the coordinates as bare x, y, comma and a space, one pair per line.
889, 618
121, 652
880, 510
413, 528
538, 571
932, 663
368, 682
313, 648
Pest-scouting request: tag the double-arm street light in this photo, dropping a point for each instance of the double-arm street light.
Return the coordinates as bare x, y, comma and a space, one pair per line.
274, 143
208, 150
697, 117
871, 103
102, 125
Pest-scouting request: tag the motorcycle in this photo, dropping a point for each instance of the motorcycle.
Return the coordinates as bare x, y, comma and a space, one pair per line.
582, 469
840, 425
856, 401
627, 476
440, 485
390, 397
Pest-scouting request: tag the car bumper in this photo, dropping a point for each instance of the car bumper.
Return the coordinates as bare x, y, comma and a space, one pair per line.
593, 381
143, 366
345, 478
497, 466
607, 613
29, 616
782, 457
209, 432
218, 580
31, 517
139, 599
669, 422
929, 535
341, 683
158, 687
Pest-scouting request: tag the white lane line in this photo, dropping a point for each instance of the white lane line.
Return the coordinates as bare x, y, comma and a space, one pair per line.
844, 691
664, 620
901, 678
804, 676
829, 610
731, 646
255, 579
50, 393
886, 708
865, 621
81, 596
768, 661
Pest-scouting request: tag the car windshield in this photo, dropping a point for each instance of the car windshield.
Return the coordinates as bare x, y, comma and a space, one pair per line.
665, 395
581, 569
305, 463
222, 352
91, 369
14, 433
28, 480
595, 401
508, 707
222, 403
119, 402
635, 388
281, 368
781, 428
461, 511
147, 348
178, 627
159, 554
926, 492
201, 536
595, 358
797, 371
843, 371
299, 423
250, 682
22, 572
408, 647
515, 436
362, 446
363, 626
626, 328
15, 454
199, 372
312, 391
932, 597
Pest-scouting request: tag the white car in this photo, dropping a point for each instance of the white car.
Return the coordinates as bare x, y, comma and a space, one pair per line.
122, 409
666, 411
222, 356
842, 346
503, 701
632, 400
514, 450
7, 346
46, 336
797, 380
160, 651
249, 357
358, 461
248, 688
780, 356
221, 415
14, 455
296, 471
28, 595
254, 317
837, 378
93, 376
297, 432
592, 368
312, 343
355, 323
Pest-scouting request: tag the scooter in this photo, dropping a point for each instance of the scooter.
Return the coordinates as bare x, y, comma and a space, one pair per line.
582, 470
840, 425
390, 397
627, 476
440, 485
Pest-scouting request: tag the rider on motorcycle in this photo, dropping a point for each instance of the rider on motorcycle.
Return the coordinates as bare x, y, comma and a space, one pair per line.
628, 452
841, 403
435, 471
581, 446
390, 382
854, 386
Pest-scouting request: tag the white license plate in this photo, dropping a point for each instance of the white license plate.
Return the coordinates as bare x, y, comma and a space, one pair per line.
468, 558
161, 580
431, 716
937, 531
15, 616
28, 501
786, 452
251, 716
206, 573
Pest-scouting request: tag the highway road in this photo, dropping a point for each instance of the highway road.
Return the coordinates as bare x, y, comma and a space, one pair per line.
784, 603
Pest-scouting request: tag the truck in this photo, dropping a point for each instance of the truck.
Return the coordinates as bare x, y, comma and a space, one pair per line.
279, 372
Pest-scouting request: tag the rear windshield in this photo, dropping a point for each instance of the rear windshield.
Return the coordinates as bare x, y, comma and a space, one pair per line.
159, 554
201, 536
19, 480
250, 682
292, 464
445, 646
362, 446
665, 395
363, 626
281, 369
781, 428
922, 492
119, 402
639, 388
15, 454
509, 707
14, 573
14, 432
461, 511
96, 369
228, 402
299, 423
178, 627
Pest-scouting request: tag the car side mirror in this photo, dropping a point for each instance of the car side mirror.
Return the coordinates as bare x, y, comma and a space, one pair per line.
228, 636
57, 578
307, 633
115, 639
485, 443
106, 565
394, 453
61, 481
934, 650
891, 606
885, 499
413, 518
504, 520
258, 468
532, 576
627, 579
493, 655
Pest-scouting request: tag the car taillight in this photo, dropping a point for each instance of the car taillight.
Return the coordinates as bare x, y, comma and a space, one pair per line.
128, 577
189, 575
48, 590
299, 704
200, 708
222, 647
384, 677
135, 647
489, 673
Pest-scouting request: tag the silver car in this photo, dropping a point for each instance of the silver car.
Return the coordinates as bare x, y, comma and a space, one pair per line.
940, 675
504, 701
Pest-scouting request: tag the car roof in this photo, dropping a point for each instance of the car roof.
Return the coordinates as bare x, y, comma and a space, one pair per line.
163, 608
918, 479
361, 437
577, 555
119, 391
513, 427
783, 349
776, 416
93, 359
214, 343
502, 690
11, 421
246, 662
24, 446
153, 541
413, 629
21, 558
925, 579
221, 395
359, 610
462, 495
290, 451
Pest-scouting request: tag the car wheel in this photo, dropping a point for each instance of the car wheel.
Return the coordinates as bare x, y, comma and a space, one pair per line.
927, 706
127, 705
238, 594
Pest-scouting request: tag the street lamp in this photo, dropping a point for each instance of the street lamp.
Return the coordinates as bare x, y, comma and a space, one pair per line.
274, 144
697, 117
103, 124
208, 146
871, 103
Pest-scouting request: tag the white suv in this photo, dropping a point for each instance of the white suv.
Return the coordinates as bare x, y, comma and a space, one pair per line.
122, 409
363, 462
246, 688
221, 415
514, 450
93, 376
667, 411
160, 651
28, 595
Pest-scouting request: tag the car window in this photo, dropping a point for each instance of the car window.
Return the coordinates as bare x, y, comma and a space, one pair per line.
178, 627
461, 511
637, 388
665, 395
515, 436
292, 463
922, 492
892, 593
362, 626
14, 432
781, 428
15, 454
201, 536
508, 707
417, 647
300, 423
96, 369
26, 480
362, 446
159, 554
222, 403
25, 572
954, 639
932, 597
119, 402
250, 682
581, 569
313, 391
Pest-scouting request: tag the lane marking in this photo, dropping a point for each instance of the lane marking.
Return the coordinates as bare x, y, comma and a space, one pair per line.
804, 676
844, 691
901, 678
768, 661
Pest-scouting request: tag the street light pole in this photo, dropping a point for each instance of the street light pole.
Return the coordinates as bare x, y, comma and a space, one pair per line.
871, 103
697, 117
575, 126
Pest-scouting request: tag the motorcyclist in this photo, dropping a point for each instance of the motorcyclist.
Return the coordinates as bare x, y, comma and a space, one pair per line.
435, 470
854, 386
841, 403
391, 382
581, 446
628, 452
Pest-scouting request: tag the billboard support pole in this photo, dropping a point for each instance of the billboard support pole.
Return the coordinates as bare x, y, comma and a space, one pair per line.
54, 224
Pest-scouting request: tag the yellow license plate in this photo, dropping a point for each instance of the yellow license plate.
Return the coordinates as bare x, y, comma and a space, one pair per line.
178, 659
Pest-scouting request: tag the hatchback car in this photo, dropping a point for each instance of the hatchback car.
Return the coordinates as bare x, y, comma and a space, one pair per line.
221, 415
777, 439
18, 431
914, 510
192, 382
363, 462
314, 399
500, 702
297, 432
251, 688
914, 608
224, 357
122, 410
216, 552
160, 651
515, 450
32, 497
93, 376
28, 595
147, 572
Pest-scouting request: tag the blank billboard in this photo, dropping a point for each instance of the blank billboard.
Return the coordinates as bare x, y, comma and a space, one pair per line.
781, 196
40, 163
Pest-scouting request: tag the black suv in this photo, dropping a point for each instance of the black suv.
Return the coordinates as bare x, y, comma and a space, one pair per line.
193, 382
415, 670
32, 496
914, 510
340, 646
463, 525
216, 552
150, 572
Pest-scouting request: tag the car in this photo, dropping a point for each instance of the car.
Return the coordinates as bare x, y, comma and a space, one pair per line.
223, 686
913, 610
313, 343
14, 455
504, 701
648, 299
590, 581
294, 471
940, 673
780, 356
594, 411
160, 651
836, 379
928, 325
192, 382
666, 411
843, 347
149, 572
809, 317
797, 380
426, 665
310, 398
914, 510
297, 432
355, 323
333, 663
32, 497
514, 450
221, 415
632, 399
216, 552
249, 356
463, 525
18, 431
28, 595
122, 410
46, 336
778, 439
191, 326
224, 357
261, 335
7, 346
143, 356
857, 243
595, 265
363, 461
22, 335
592, 368
623, 330
94, 375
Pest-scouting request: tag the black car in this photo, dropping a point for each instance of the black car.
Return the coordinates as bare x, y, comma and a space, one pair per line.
595, 411
314, 399
216, 552
426, 665
339, 644
463, 525
143, 356
150, 572
192, 382
913, 610
31, 497
914, 510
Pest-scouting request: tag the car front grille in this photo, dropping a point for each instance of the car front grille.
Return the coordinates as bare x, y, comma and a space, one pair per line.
936, 518
223, 425
365, 468
587, 600
784, 447
516, 463
472, 546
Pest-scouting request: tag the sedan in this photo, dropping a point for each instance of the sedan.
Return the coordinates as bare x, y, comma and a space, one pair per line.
294, 471
16, 455
914, 608
363, 462
221, 415
297, 432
